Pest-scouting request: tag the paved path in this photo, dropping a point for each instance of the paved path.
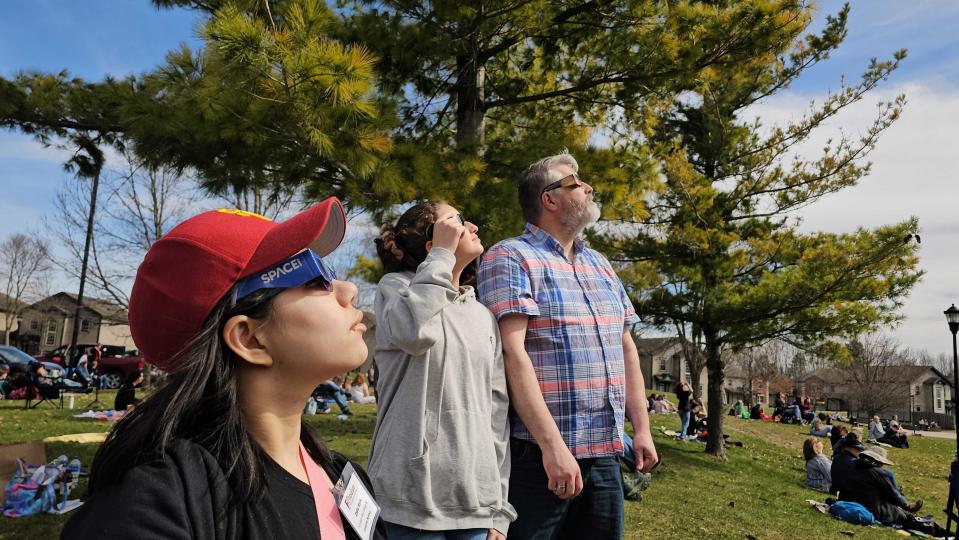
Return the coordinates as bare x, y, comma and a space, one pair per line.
935, 434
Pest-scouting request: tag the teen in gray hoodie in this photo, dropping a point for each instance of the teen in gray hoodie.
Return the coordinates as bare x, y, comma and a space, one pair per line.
440, 455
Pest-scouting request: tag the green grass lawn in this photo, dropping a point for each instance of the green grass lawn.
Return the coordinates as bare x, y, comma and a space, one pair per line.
758, 492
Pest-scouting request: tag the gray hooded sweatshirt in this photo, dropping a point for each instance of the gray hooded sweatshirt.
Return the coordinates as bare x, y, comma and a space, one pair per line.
440, 453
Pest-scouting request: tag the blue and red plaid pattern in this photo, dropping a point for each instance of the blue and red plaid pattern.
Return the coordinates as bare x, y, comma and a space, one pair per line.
577, 312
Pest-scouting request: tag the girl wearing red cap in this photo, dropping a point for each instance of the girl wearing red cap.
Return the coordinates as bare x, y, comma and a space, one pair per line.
247, 319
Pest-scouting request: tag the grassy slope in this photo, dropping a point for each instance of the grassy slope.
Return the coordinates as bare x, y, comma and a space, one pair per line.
757, 492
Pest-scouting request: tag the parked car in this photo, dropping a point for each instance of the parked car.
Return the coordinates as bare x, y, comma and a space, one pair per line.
19, 361
115, 362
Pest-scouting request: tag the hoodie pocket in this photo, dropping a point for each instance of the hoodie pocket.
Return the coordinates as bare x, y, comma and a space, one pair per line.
458, 469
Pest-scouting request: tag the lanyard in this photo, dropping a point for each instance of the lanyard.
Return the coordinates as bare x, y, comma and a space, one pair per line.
327, 514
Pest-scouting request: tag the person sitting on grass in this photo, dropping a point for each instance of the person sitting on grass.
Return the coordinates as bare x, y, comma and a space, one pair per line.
126, 396
738, 408
360, 391
780, 405
818, 466
876, 431
661, 405
895, 434
836, 435
871, 486
844, 462
758, 412
330, 390
902, 501
6, 384
819, 429
806, 409
697, 420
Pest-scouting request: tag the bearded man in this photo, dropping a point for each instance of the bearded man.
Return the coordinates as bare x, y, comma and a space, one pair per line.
571, 364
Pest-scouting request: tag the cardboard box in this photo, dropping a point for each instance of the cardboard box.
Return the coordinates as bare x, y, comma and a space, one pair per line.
32, 452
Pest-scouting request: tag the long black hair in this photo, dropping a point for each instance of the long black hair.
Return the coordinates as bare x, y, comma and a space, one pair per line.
199, 402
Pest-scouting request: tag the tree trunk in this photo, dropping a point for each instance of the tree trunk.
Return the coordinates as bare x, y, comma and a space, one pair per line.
75, 331
696, 379
715, 407
470, 106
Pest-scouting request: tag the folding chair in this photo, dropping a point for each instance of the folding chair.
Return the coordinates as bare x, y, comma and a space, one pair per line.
47, 393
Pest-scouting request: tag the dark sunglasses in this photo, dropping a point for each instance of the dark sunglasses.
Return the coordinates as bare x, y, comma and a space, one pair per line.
571, 181
429, 228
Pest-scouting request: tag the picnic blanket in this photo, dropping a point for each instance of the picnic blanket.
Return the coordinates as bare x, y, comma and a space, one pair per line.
84, 438
101, 415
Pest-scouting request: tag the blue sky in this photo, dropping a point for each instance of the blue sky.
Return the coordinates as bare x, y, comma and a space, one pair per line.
913, 172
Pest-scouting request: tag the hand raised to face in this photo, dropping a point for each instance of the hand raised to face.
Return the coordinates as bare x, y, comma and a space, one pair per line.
447, 231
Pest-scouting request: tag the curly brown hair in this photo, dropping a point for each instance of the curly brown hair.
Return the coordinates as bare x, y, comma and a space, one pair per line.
402, 247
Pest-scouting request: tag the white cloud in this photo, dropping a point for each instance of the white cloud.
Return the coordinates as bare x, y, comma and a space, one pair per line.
913, 174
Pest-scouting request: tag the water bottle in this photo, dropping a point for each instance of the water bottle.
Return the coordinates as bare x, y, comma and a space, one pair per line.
74, 466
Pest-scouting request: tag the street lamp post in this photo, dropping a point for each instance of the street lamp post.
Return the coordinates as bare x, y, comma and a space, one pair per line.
952, 317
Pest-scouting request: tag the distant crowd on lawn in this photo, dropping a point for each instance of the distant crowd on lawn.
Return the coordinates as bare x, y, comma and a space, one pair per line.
856, 474
860, 475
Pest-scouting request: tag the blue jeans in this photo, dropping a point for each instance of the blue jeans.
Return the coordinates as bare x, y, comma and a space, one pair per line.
332, 390
683, 422
628, 457
901, 502
597, 513
402, 532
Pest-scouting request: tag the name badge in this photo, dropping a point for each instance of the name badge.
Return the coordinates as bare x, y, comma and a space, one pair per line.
355, 503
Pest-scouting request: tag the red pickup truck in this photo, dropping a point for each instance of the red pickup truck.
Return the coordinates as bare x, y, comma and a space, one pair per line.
115, 362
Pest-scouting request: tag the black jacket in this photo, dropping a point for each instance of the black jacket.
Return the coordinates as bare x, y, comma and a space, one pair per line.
843, 467
185, 495
870, 487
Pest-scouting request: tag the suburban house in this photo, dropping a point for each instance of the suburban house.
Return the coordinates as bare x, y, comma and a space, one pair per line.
663, 364
910, 392
737, 386
48, 324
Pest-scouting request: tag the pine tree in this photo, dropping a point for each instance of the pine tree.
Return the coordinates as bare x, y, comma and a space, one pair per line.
720, 249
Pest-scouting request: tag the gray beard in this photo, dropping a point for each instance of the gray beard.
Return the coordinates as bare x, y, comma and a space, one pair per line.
577, 217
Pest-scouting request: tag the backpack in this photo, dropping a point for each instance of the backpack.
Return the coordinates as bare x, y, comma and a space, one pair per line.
29, 494
852, 512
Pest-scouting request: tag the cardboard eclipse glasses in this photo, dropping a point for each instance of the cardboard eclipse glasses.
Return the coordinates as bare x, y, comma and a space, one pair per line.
290, 273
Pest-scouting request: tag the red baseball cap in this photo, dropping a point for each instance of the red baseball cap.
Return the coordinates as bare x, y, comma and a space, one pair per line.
191, 268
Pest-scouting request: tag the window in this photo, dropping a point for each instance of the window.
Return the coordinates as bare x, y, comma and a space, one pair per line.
662, 365
937, 393
84, 325
34, 325
51, 332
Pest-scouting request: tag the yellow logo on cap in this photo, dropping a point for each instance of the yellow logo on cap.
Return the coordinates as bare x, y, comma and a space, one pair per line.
243, 213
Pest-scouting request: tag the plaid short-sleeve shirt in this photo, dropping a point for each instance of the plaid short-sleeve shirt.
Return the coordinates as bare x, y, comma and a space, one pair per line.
577, 312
